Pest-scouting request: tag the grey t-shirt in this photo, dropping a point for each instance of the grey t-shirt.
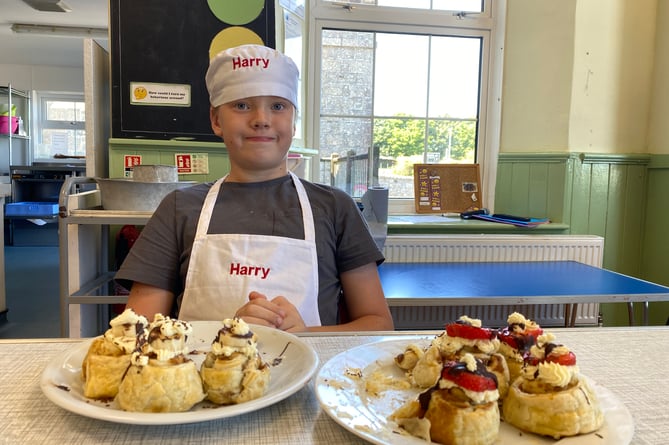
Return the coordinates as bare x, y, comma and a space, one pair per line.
160, 256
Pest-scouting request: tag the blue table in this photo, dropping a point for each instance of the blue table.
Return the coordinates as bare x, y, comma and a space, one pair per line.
502, 283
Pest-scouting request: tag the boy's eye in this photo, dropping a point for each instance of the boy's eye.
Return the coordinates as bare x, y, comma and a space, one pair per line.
241, 106
278, 106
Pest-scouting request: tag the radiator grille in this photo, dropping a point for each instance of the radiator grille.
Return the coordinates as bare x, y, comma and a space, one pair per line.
478, 248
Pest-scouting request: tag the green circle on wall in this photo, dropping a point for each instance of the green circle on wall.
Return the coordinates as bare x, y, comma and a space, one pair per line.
236, 12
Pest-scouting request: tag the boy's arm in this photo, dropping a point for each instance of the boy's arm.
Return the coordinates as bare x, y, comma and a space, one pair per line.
149, 300
365, 301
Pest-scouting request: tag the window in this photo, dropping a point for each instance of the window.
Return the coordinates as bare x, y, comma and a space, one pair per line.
60, 126
397, 84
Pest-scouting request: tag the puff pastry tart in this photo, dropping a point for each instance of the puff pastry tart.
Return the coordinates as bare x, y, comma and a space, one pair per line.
516, 339
550, 398
233, 371
161, 378
465, 336
461, 409
108, 357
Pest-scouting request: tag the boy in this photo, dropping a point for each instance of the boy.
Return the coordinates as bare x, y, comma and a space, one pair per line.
259, 243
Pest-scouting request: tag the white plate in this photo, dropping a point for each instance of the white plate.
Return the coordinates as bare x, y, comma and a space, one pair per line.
292, 363
341, 393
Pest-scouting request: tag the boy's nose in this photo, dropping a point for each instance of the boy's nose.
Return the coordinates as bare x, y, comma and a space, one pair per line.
260, 119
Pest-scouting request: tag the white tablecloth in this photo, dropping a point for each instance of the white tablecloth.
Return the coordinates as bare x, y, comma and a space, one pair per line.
631, 362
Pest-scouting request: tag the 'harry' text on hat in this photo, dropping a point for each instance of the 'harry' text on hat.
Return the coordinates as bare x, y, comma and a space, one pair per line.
239, 62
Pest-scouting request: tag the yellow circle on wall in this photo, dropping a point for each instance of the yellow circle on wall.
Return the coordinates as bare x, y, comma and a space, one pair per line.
236, 12
231, 37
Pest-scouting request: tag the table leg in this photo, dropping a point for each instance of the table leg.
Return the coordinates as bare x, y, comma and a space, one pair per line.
574, 311
630, 313
570, 311
645, 313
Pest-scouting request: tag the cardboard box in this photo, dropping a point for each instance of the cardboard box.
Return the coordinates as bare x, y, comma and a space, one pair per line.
446, 188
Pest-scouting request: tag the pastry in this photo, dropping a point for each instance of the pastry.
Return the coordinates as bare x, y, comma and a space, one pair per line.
461, 409
516, 339
108, 357
233, 371
550, 398
466, 335
161, 378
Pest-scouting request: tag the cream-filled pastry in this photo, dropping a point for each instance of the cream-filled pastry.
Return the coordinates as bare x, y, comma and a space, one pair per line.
108, 357
161, 377
461, 409
550, 397
516, 339
465, 336
233, 371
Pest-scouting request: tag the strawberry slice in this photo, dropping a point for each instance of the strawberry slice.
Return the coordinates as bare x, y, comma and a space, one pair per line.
509, 340
534, 332
469, 332
458, 374
568, 359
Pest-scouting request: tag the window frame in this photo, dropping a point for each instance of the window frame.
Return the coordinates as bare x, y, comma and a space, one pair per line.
41, 122
489, 24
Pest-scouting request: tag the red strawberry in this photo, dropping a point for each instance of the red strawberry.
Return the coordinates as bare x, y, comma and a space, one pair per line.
458, 373
469, 332
568, 359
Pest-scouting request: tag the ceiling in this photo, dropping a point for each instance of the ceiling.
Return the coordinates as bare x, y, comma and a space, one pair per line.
30, 49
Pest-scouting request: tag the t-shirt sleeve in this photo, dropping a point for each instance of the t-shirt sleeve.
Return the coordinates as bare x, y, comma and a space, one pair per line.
155, 257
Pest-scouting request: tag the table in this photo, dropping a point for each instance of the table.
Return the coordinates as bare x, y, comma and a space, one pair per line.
523, 282
630, 362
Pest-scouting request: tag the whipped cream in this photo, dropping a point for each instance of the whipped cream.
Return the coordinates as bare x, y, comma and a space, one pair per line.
124, 329
471, 321
551, 373
235, 337
163, 340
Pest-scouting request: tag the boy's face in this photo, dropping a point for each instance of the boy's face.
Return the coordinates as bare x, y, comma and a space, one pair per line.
257, 132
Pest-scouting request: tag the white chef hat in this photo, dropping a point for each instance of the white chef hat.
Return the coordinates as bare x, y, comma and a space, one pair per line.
249, 71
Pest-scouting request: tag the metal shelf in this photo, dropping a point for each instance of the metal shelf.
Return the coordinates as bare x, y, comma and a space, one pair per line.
85, 277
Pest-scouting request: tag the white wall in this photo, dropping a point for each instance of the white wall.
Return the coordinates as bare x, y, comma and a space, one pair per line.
658, 130
578, 76
612, 84
42, 77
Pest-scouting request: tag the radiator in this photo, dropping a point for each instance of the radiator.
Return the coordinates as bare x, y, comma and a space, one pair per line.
587, 249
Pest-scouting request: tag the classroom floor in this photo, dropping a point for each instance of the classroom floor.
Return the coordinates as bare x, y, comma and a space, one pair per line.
32, 287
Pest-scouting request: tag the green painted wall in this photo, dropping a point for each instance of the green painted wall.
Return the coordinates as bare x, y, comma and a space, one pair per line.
619, 197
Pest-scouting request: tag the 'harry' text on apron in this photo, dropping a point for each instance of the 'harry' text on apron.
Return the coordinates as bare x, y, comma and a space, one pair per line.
257, 271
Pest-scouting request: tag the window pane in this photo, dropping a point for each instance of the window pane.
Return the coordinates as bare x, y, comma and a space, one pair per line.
346, 73
418, 4
458, 5
416, 117
64, 111
451, 141
454, 77
61, 142
400, 83
443, 5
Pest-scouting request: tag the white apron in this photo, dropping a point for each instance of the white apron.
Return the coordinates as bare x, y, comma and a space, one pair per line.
225, 268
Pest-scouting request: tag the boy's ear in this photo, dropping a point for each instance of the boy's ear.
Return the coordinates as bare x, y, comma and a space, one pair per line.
213, 118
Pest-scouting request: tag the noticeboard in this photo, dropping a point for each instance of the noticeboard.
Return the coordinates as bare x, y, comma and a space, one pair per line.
446, 188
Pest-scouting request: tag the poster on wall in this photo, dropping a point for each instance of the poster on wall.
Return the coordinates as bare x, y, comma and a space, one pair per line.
160, 51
